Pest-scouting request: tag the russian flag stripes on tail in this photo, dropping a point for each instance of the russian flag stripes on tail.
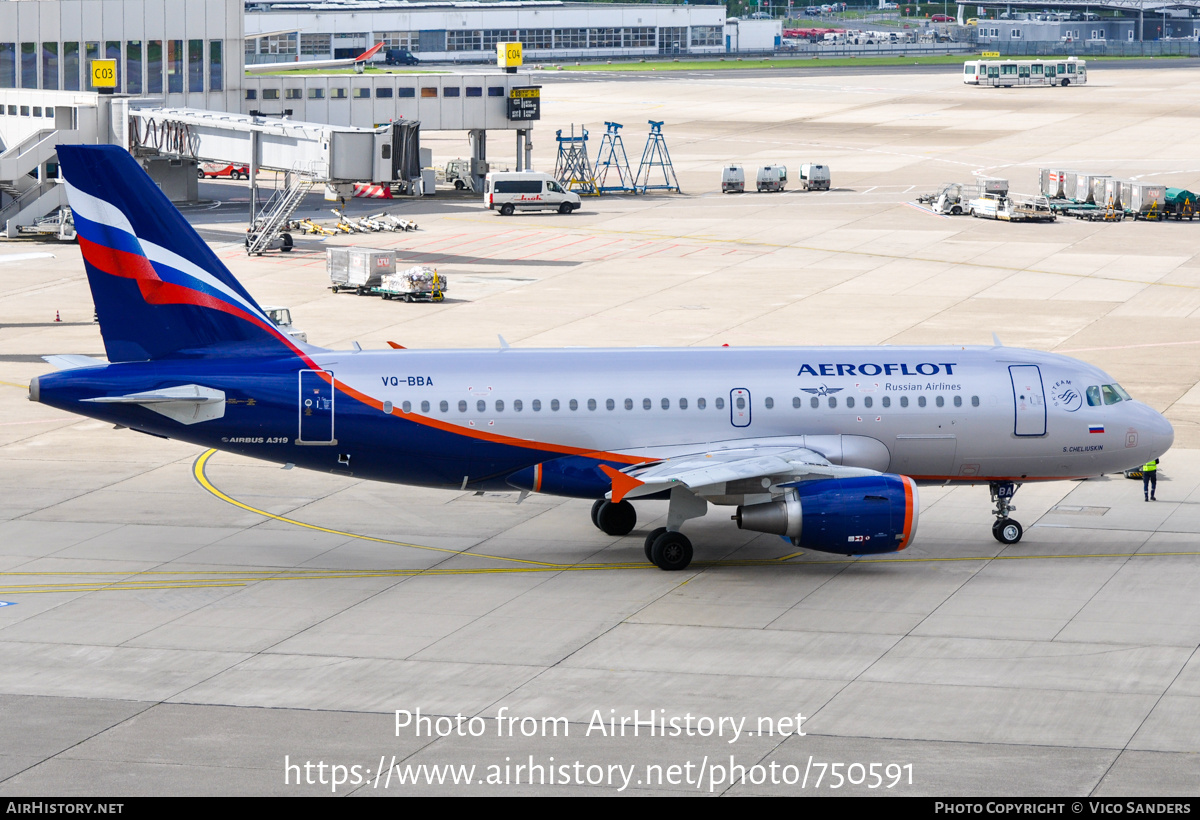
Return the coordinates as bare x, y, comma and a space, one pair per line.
159, 290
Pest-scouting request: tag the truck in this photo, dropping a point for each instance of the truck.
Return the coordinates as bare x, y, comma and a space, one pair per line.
282, 317
1012, 208
771, 178
733, 179
814, 177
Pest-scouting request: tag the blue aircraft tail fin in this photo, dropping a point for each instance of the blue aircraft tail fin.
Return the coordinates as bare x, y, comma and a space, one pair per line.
159, 290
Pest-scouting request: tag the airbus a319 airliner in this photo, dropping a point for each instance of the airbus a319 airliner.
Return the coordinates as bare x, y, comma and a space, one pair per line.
824, 446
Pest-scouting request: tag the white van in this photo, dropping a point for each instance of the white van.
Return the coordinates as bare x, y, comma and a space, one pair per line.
528, 190
814, 177
771, 178
733, 179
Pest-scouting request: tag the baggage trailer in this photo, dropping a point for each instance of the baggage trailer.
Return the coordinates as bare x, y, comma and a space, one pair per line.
358, 269
416, 284
1180, 203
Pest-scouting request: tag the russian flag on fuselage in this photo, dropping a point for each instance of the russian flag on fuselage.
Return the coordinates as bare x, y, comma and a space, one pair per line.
159, 290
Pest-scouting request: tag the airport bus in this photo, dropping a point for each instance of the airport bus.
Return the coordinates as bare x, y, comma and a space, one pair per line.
1008, 73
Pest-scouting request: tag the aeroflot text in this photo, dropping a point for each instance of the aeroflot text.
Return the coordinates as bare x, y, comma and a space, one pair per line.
869, 369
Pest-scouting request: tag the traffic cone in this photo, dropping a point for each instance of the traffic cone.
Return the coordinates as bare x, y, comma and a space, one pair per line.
57, 318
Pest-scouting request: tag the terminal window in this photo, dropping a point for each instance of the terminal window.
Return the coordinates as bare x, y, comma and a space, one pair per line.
133, 66
383, 93
251, 93
337, 93
495, 91
216, 67
361, 93
294, 93
406, 92
154, 67
450, 92
474, 91
429, 92
50, 66
270, 93
29, 65
316, 93
175, 67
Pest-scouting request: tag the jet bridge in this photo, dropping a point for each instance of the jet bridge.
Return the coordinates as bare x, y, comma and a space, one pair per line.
330, 153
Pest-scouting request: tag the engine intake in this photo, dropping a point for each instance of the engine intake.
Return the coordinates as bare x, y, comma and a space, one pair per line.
849, 516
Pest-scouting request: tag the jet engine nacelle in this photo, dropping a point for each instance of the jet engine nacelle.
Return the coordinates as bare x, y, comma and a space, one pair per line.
849, 516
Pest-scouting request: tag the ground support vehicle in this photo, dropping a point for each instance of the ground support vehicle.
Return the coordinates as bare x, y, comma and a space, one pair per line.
416, 284
209, 170
1013, 208
282, 317
814, 177
283, 242
60, 225
733, 179
771, 178
509, 191
358, 269
950, 199
458, 174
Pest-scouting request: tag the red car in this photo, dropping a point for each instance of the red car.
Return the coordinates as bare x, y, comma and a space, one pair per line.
942, 18
208, 170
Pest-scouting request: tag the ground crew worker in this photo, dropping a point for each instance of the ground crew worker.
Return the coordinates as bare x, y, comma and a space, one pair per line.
1150, 479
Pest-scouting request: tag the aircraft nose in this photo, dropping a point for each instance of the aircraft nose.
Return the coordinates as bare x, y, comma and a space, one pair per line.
1157, 433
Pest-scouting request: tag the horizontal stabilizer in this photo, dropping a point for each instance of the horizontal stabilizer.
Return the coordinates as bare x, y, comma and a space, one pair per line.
186, 404
72, 361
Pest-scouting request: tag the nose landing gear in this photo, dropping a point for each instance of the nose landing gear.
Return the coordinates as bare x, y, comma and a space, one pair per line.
1006, 530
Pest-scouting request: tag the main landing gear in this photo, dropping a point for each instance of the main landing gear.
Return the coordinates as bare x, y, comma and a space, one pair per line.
665, 547
1006, 530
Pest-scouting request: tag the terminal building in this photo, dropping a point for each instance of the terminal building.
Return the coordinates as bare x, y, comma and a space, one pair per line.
467, 32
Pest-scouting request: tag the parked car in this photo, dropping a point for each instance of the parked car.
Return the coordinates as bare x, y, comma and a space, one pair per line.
942, 18
209, 170
400, 56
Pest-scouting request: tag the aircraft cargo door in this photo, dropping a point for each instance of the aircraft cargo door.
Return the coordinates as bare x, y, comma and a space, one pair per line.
1029, 399
316, 408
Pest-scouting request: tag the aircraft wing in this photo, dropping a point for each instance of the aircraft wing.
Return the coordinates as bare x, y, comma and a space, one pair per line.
707, 473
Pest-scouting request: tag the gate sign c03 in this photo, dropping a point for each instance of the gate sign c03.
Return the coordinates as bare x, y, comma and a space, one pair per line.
104, 73
525, 103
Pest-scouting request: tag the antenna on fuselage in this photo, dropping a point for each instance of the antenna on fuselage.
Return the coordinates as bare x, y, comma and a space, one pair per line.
503, 344
996, 340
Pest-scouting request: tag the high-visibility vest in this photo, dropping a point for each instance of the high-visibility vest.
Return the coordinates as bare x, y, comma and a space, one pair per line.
1150, 467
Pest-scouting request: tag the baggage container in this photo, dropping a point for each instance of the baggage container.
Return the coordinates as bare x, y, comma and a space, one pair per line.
1111, 198
1143, 198
992, 185
1181, 203
358, 269
1086, 188
1054, 183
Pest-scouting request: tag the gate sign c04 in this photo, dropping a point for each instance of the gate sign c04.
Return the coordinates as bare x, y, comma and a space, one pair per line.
525, 103
104, 73
508, 55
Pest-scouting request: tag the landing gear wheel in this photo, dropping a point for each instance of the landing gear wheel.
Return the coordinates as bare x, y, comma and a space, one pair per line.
1007, 531
672, 551
507, 210
596, 511
650, 539
616, 519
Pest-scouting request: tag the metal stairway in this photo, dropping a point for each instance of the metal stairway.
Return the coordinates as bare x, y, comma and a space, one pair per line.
29, 198
279, 209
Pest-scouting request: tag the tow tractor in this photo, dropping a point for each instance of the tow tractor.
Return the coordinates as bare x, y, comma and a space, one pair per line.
950, 199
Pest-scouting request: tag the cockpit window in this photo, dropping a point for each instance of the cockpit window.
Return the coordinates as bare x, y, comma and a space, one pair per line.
1113, 394
1093, 396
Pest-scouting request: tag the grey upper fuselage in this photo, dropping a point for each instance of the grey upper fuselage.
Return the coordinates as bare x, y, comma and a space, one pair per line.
991, 433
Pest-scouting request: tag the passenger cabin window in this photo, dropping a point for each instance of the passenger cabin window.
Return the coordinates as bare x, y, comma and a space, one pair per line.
700, 404
887, 401
769, 403
850, 402
720, 404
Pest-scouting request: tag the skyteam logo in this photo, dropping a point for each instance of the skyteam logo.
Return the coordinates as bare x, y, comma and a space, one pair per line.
1064, 396
872, 369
